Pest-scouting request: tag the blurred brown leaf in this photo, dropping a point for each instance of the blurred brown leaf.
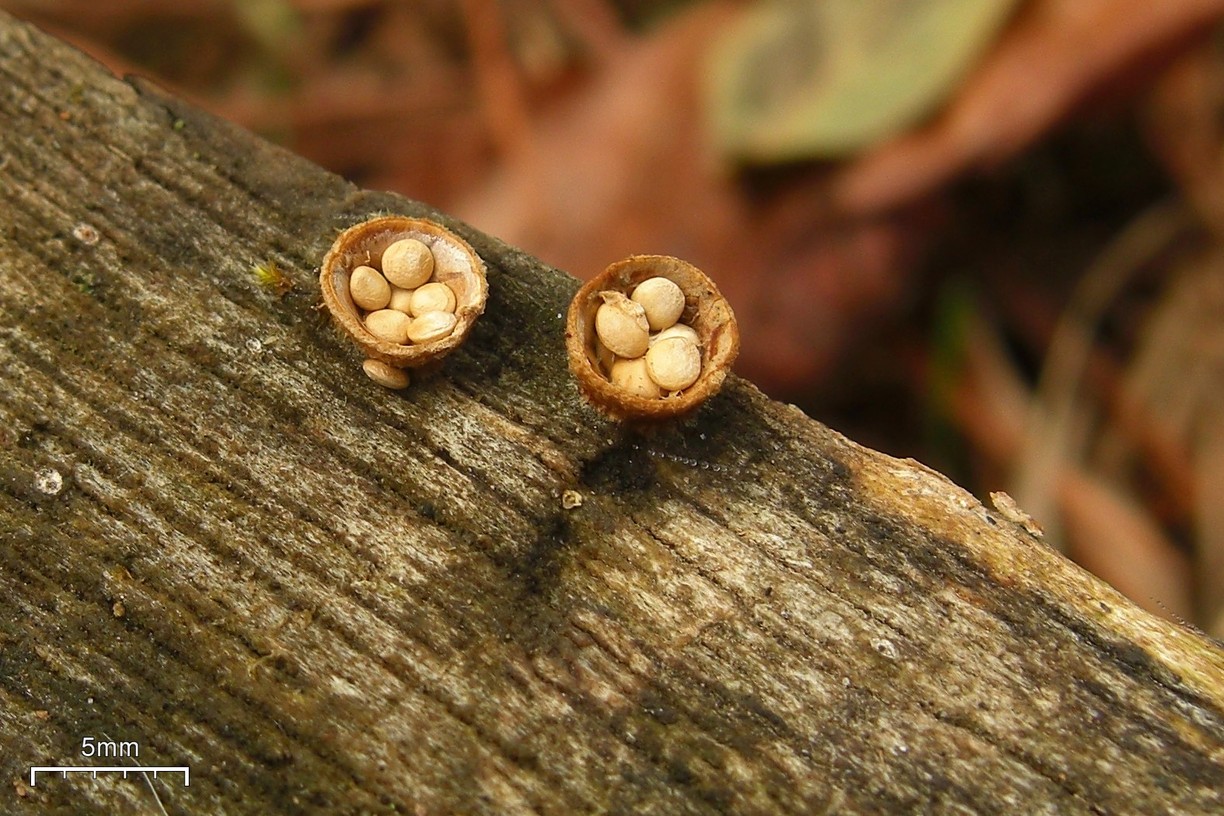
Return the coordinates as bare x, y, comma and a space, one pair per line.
1181, 119
1109, 534
1053, 56
630, 169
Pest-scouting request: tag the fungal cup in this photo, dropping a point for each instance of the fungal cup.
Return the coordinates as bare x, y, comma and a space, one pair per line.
455, 264
705, 311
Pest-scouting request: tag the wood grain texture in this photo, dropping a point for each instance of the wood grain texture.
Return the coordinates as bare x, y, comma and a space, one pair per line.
327, 597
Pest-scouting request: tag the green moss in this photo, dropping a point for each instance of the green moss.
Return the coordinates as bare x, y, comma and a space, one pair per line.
270, 276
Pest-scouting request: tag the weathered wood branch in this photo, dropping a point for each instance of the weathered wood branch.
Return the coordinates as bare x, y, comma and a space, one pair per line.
219, 540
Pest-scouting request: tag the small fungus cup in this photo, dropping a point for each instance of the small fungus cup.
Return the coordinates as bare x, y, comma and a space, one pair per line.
393, 337
630, 395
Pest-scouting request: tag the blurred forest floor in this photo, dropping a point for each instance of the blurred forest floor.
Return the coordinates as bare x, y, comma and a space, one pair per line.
987, 234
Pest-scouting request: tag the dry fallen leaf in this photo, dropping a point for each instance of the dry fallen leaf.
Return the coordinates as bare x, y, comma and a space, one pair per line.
1052, 57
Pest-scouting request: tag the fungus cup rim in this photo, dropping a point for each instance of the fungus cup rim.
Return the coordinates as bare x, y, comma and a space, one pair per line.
705, 309
455, 264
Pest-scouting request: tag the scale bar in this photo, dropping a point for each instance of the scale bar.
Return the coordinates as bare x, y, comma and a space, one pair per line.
123, 769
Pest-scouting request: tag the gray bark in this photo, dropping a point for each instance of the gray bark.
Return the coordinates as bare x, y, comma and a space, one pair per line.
219, 540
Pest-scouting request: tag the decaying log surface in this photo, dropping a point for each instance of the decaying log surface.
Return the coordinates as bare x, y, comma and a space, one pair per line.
220, 541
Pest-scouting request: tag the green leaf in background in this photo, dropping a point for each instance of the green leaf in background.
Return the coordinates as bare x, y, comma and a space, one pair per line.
798, 79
